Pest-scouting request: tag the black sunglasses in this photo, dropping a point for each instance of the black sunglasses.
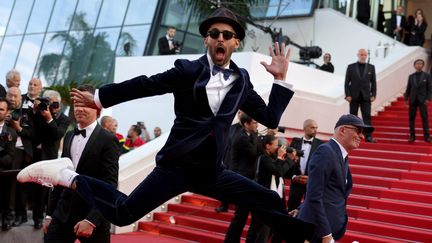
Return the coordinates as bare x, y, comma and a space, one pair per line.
359, 130
214, 34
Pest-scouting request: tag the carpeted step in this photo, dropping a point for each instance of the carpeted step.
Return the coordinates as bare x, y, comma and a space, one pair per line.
421, 223
181, 232
395, 194
389, 205
352, 236
390, 183
391, 163
391, 173
403, 233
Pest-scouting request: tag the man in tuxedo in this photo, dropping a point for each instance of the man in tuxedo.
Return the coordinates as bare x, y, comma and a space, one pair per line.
22, 121
94, 152
299, 177
167, 44
244, 151
7, 150
212, 89
360, 88
330, 180
418, 95
397, 23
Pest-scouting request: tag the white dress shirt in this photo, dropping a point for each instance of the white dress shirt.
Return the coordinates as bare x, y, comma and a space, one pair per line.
79, 142
306, 147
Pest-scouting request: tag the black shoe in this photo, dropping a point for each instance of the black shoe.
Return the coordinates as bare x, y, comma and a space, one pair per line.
6, 226
221, 209
411, 139
371, 140
38, 224
428, 140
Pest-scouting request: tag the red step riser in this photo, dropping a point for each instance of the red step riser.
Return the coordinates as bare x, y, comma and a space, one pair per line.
409, 166
389, 231
387, 194
390, 218
419, 210
392, 183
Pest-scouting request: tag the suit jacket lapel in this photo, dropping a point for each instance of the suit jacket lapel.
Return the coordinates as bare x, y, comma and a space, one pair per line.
199, 89
341, 163
232, 99
68, 144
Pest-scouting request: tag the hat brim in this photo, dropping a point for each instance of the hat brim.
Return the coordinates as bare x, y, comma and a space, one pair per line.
205, 25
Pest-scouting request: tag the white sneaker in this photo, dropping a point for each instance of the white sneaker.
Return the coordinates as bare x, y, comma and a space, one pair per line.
46, 173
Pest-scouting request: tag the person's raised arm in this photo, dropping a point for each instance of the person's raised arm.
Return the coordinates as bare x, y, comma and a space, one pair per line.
279, 64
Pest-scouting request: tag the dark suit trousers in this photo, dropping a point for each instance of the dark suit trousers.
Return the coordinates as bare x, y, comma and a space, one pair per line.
296, 195
424, 115
167, 181
237, 224
59, 232
365, 107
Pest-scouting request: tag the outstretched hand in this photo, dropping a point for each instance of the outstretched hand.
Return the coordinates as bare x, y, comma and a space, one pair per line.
279, 64
83, 99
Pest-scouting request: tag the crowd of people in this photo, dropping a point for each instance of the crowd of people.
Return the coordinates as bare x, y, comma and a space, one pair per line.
201, 146
32, 126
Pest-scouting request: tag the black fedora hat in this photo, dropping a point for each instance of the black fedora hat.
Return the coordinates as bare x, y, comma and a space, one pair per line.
222, 15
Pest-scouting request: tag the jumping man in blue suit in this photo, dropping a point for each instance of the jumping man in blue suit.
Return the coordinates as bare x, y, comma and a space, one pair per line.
208, 92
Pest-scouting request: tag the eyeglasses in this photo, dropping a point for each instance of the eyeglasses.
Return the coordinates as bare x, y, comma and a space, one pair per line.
227, 35
359, 130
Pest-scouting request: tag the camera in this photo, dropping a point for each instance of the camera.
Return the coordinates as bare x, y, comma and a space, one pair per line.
16, 114
43, 105
177, 45
299, 153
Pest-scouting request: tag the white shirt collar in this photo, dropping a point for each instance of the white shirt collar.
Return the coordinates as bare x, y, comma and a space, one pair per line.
343, 150
89, 129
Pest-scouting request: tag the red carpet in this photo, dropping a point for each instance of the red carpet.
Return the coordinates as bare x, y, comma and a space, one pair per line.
391, 199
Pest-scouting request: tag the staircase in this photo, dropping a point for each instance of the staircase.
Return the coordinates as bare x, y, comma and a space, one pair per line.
391, 200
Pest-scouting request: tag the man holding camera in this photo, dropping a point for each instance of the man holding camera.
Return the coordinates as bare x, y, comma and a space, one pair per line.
21, 119
308, 143
7, 150
167, 44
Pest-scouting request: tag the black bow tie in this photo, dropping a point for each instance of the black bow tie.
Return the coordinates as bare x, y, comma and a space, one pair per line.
78, 132
226, 72
306, 141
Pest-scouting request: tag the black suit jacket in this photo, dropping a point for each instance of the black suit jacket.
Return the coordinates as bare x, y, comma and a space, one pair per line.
164, 47
358, 84
2, 91
195, 122
98, 160
269, 166
393, 22
51, 133
297, 144
244, 153
7, 147
418, 90
327, 192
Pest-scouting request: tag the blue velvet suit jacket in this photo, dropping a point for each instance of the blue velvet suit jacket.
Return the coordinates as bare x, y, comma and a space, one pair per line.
328, 188
194, 120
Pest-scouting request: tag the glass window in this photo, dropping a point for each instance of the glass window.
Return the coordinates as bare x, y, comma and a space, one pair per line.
90, 10
193, 44
19, 18
5, 11
140, 12
133, 40
62, 14
112, 13
175, 15
40, 16
28, 57
8, 54
103, 56
50, 57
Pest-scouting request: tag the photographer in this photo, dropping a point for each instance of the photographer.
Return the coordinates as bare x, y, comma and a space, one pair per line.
273, 165
299, 177
167, 44
21, 119
52, 123
145, 135
7, 149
